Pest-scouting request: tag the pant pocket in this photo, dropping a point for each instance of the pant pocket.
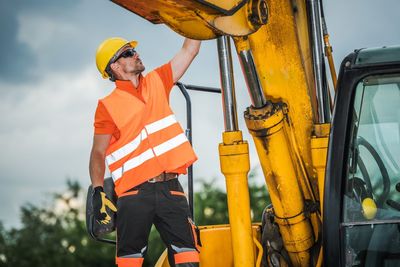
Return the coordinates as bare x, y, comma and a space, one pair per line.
129, 193
195, 234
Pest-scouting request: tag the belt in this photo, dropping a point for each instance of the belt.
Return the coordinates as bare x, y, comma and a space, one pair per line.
163, 177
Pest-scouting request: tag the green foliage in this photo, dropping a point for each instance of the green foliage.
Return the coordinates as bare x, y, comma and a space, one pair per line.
211, 203
55, 235
155, 248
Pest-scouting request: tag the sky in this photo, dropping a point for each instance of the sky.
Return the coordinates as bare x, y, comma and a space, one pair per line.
49, 86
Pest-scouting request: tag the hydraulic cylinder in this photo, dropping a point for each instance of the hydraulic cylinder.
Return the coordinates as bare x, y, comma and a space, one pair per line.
270, 133
235, 165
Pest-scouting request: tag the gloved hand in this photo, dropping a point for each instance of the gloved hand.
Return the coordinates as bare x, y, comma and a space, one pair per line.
100, 203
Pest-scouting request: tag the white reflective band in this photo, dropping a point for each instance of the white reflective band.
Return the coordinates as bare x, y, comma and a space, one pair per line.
148, 154
131, 146
170, 144
132, 163
126, 149
160, 124
116, 174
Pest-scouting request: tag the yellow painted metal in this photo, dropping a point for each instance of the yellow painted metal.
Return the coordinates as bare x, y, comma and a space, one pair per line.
270, 134
217, 246
319, 146
181, 16
320, 258
235, 25
302, 27
201, 20
163, 260
185, 26
235, 165
225, 4
331, 63
282, 72
310, 192
281, 51
260, 252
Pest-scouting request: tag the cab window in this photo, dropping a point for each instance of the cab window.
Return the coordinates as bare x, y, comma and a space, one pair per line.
371, 203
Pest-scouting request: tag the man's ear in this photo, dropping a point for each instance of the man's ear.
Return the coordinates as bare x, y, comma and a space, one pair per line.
114, 66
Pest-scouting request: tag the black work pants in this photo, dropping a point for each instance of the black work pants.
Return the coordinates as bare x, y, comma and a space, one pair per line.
164, 205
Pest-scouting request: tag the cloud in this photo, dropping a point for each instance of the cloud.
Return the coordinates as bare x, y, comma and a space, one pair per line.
51, 36
361, 23
19, 58
15, 54
46, 137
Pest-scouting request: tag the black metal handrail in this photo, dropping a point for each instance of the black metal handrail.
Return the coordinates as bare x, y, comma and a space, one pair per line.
184, 88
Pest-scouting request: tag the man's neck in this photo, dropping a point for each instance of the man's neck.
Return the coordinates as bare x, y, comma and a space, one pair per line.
134, 78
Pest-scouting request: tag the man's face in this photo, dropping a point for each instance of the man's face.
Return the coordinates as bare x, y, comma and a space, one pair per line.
130, 61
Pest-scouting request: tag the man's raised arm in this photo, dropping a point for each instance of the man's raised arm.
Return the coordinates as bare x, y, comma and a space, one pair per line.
184, 57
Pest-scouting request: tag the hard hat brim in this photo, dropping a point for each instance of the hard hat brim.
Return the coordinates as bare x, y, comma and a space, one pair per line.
133, 43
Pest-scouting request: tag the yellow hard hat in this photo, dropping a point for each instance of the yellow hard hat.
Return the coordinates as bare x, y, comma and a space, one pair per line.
106, 51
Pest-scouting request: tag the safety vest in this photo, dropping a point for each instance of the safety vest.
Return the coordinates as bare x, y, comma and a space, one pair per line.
151, 140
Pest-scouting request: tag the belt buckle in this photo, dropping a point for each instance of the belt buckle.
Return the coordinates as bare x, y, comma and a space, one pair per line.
152, 181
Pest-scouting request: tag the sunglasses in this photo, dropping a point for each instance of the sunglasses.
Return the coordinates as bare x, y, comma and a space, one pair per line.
131, 52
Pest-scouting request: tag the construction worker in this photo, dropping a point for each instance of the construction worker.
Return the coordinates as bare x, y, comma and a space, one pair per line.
137, 135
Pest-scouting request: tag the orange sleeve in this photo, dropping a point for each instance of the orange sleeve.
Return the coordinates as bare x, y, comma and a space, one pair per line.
165, 73
103, 123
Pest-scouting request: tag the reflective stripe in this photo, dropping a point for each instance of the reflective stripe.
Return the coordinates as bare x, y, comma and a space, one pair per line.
131, 146
170, 144
126, 149
148, 154
179, 250
129, 262
132, 163
116, 174
160, 124
187, 257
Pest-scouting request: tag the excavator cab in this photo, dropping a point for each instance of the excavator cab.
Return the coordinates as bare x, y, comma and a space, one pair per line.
362, 186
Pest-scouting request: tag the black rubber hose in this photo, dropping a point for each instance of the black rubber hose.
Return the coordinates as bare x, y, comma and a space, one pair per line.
365, 174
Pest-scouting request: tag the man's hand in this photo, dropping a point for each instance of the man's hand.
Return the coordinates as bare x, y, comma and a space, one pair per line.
100, 205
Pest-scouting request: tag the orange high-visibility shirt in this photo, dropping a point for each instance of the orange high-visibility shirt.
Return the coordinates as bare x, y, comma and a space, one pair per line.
147, 139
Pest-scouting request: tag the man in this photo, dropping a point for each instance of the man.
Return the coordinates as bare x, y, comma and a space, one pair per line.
145, 149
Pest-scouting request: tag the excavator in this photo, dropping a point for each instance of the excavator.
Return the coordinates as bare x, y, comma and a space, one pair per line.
330, 157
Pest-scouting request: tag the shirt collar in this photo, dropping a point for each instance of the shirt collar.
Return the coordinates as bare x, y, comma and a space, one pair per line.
127, 85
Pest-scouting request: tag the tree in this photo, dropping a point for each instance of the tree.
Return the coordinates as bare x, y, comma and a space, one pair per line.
211, 202
54, 236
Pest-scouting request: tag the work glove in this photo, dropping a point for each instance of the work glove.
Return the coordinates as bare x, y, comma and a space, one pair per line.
101, 206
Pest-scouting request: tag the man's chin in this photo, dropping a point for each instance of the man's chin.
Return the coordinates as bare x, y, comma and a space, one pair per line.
139, 70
